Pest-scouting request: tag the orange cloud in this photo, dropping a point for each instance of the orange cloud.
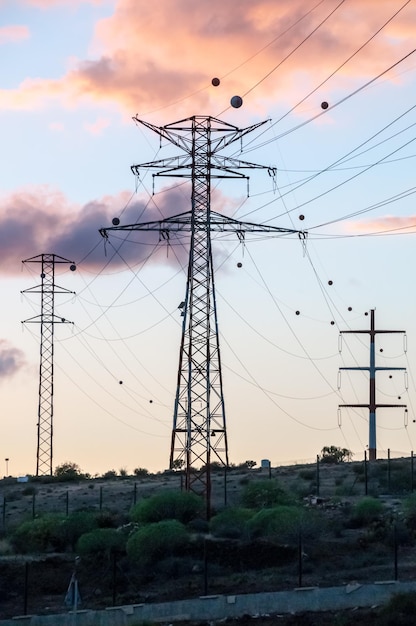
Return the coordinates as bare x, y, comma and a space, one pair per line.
148, 56
13, 33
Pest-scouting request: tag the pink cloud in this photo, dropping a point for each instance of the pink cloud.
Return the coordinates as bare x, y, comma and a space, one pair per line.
150, 55
386, 224
13, 33
49, 4
41, 220
97, 127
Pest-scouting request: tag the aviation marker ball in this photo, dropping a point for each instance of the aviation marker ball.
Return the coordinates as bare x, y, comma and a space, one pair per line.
236, 102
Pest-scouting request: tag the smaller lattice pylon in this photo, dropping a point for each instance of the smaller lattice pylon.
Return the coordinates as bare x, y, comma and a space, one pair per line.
47, 320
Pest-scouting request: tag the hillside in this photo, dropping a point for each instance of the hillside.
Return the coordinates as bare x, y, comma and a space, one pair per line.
336, 547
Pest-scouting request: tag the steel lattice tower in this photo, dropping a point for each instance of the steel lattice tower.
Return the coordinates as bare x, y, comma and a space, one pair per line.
199, 435
47, 320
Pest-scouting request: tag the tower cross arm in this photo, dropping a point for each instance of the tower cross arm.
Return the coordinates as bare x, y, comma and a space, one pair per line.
175, 164
227, 133
370, 331
375, 406
374, 368
217, 223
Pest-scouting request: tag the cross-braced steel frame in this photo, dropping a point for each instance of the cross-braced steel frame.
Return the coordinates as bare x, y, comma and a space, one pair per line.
199, 434
47, 320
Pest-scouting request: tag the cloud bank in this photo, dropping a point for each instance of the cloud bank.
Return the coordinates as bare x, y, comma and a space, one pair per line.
41, 220
11, 359
147, 56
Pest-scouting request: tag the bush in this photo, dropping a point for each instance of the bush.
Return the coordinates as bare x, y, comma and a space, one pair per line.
366, 511
182, 506
280, 524
335, 454
109, 475
155, 542
39, 535
101, 543
231, 523
141, 472
262, 494
68, 471
75, 525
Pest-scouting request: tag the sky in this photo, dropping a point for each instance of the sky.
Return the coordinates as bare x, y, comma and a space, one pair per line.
74, 74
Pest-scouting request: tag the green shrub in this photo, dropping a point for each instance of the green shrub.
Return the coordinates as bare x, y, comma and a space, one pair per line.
155, 542
75, 525
261, 494
100, 543
39, 535
182, 506
231, 523
366, 511
280, 524
284, 524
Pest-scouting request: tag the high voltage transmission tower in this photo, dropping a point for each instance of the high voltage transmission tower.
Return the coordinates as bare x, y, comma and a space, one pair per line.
47, 320
372, 405
199, 435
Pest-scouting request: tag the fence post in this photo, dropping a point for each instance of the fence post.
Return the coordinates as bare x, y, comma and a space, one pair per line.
114, 577
33, 505
225, 485
317, 475
101, 497
365, 473
388, 471
205, 568
26, 588
300, 560
411, 471
395, 551
4, 512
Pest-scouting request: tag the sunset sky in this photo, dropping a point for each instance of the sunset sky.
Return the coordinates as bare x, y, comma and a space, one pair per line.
74, 73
